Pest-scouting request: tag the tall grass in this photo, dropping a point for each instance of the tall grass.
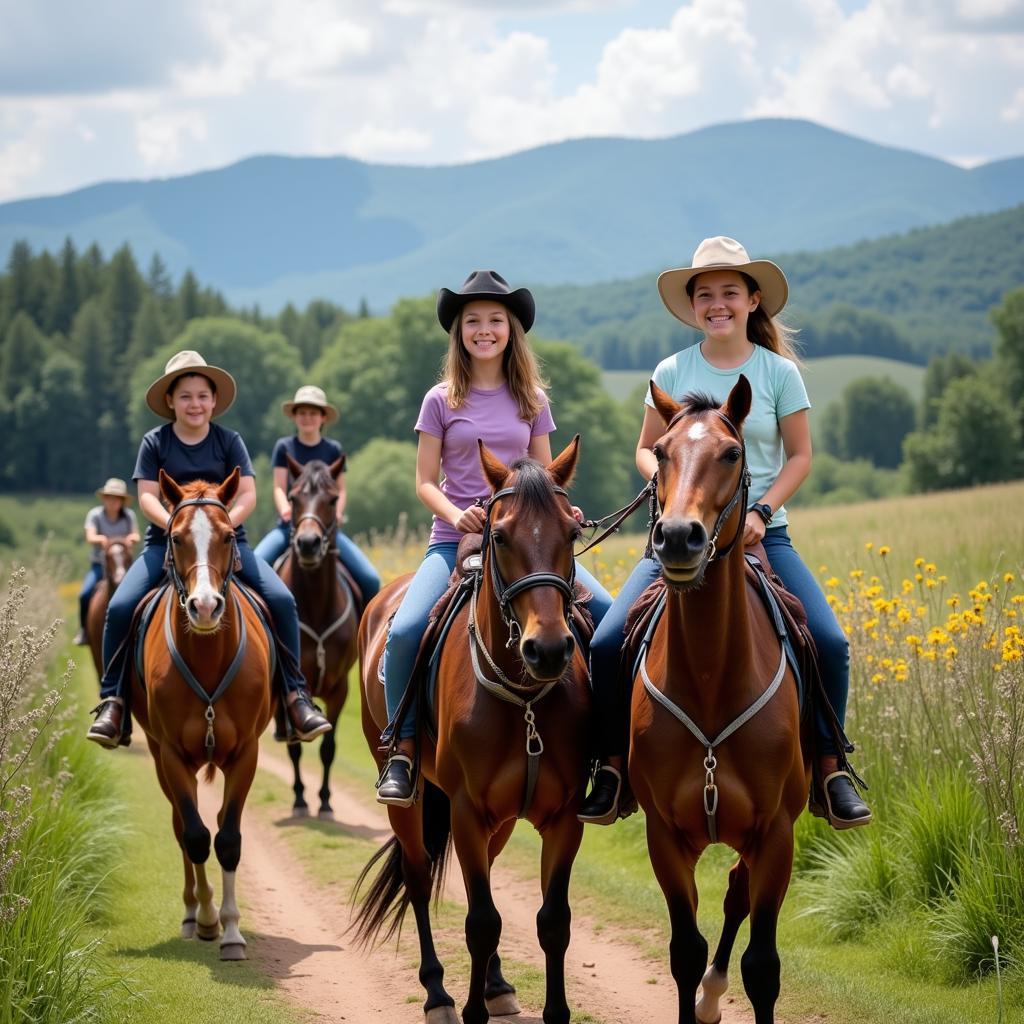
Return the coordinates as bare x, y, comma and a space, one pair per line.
58, 828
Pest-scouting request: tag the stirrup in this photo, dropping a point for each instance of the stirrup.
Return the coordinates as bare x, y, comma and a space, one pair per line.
833, 819
397, 800
609, 815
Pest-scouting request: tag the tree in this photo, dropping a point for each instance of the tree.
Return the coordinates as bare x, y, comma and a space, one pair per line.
158, 280
1009, 321
69, 465
869, 421
21, 358
381, 487
122, 297
940, 372
67, 296
149, 332
188, 298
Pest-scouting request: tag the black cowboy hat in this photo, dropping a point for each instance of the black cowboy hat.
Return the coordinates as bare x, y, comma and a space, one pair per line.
485, 284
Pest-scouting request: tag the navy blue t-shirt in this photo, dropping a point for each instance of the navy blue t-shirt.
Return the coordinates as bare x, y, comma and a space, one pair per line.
213, 460
326, 450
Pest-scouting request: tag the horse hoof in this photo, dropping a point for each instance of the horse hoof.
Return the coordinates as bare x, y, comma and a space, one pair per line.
188, 928
233, 951
503, 1006
300, 812
442, 1015
208, 932
325, 814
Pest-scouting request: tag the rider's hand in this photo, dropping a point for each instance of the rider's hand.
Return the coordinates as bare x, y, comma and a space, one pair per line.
286, 515
577, 514
471, 520
753, 529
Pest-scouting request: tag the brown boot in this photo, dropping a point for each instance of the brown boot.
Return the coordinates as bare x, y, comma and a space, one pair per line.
106, 729
305, 718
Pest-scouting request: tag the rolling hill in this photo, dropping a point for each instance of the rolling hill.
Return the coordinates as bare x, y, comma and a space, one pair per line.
274, 229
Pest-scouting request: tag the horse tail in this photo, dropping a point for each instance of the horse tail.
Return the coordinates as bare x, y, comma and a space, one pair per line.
382, 909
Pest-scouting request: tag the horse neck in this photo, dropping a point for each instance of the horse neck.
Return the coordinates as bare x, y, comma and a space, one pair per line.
316, 591
710, 654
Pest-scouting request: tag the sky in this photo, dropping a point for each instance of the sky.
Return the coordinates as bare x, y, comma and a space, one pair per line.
130, 89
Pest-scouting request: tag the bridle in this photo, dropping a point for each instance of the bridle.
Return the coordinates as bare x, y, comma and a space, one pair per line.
712, 552
169, 564
326, 534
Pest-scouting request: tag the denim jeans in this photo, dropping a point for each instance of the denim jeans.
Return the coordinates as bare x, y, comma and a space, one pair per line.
275, 543
93, 575
147, 571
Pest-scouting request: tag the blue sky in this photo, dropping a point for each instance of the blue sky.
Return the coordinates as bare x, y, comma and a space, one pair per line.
123, 89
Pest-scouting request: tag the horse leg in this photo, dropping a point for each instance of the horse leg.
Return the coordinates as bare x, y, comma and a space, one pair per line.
300, 808
327, 748
770, 864
673, 861
238, 776
499, 994
716, 978
180, 785
561, 841
483, 922
407, 824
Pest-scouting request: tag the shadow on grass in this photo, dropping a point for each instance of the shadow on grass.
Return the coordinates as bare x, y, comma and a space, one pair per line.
332, 827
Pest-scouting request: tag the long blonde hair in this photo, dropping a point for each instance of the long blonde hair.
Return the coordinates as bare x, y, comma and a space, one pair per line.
518, 361
770, 332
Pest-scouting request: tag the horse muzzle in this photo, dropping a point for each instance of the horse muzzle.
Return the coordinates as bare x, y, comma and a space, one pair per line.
683, 549
309, 549
546, 659
205, 611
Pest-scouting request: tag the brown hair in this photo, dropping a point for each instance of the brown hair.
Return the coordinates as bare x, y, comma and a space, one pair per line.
518, 361
770, 332
191, 373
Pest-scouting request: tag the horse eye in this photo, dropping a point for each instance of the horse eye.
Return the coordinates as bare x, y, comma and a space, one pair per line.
733, 455
499, 539
333, 501
659, 453
175, 539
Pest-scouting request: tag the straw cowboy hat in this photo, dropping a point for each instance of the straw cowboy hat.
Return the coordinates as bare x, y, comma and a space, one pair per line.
188, 362
721, 253
115, 487
485, 284
310, 394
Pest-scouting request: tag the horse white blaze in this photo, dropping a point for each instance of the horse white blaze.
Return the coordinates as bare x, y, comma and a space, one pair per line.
203, 593
697, 431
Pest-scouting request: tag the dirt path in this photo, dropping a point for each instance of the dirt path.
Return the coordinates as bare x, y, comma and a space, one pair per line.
301, 944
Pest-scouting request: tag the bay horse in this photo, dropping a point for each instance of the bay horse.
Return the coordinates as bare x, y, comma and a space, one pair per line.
328, 610
117, 557
702, 766
511, 682
204, 695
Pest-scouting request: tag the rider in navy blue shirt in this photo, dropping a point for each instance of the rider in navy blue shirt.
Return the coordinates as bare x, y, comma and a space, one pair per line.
189, 448
312, 412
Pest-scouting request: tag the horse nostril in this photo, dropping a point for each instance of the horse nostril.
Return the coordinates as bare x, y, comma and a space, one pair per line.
570, 647
529, 651
658, 536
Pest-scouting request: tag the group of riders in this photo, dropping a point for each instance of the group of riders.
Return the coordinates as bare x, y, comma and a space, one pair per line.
492, 390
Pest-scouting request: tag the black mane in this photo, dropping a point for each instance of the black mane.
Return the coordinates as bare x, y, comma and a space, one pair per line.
534, 489
694, 402
315, 477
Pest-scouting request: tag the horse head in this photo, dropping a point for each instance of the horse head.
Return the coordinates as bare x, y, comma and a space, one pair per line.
702, 481
116, 560
313, 498
201, 549
528, 539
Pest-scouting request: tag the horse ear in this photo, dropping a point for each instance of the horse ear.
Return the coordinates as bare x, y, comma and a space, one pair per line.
227, 490
663, 402
737, 405
170, 490
494, 469
337, 467
564, 465
293, 467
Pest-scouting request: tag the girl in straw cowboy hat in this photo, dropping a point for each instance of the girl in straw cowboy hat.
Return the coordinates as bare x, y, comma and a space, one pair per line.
192, 447
103, 523
312, 412
734, 301
491, 389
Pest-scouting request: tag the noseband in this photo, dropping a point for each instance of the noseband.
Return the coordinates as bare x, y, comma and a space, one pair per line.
739, 495
169, 564
326, 534
505, 593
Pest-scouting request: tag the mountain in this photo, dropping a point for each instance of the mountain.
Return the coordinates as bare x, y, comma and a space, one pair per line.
276, 229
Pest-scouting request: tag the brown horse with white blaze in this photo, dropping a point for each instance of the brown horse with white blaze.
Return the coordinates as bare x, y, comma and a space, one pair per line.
116, 559
511, 679
327, 608
204, 696
716, 752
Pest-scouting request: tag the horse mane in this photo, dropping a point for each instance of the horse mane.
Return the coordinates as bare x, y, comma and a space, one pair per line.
534, 490
315, 477
197, 489
695, 402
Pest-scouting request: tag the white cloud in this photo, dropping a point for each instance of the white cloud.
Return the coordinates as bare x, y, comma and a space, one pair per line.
160, 136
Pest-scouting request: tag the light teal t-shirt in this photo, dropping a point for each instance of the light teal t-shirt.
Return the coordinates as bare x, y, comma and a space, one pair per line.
778, 390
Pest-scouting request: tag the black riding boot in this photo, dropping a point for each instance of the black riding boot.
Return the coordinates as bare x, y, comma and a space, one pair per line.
610, 798
396, 783
305, 717
106, 729
843, 804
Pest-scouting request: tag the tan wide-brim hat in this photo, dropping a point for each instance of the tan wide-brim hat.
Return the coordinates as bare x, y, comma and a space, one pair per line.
115, 487
310, 394
721, 253
188, 362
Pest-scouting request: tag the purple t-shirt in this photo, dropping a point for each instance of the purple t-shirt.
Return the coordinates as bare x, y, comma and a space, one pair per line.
491, 415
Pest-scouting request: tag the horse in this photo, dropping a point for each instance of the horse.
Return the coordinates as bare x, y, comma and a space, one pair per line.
204, 695
713, 663
327, 607
476, 775
116, 559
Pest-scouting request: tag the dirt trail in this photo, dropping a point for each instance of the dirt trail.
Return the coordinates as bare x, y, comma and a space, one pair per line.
302, 945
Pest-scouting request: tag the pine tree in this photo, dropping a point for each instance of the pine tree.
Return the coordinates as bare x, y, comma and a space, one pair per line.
67, 297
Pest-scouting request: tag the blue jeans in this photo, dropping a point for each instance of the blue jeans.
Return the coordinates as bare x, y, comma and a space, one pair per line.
276, 542
611, 695
93, 575
410, 621
147, 571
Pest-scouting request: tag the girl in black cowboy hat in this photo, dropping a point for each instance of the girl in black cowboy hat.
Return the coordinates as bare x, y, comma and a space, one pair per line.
191, 447
734, 301
491, 388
